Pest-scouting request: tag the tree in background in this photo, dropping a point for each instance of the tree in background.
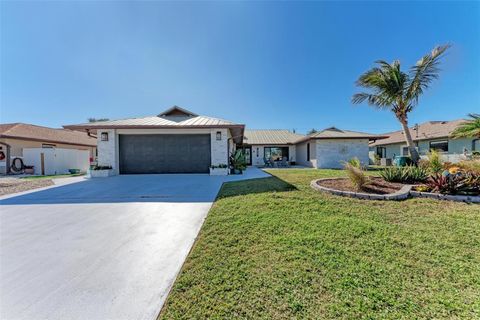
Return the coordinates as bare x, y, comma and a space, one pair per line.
468, 129
97, 120
389, 88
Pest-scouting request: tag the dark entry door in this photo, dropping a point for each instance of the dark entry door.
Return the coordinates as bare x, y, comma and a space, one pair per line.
164, 153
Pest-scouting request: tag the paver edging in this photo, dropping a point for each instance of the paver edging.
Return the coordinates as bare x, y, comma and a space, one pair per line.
402, 194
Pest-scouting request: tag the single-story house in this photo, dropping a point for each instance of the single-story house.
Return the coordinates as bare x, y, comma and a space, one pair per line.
324, 149
426, 136
15, 138
180, 141
275, 144
175, 141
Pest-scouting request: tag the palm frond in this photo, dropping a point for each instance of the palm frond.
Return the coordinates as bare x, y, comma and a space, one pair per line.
468, 129
372, 99
424, 72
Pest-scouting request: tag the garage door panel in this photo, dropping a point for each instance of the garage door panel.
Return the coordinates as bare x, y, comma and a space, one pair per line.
166, 153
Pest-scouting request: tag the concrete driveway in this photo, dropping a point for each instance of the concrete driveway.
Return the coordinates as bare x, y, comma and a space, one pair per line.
102, 248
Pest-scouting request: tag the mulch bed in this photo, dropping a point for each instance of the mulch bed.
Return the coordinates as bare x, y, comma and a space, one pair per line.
374, 186
14, 185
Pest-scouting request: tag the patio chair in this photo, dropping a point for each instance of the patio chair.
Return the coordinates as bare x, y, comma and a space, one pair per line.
285, 162
267, 163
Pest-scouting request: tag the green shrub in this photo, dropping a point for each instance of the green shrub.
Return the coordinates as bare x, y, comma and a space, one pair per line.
435, 163
407, 174
356, 176
355, 162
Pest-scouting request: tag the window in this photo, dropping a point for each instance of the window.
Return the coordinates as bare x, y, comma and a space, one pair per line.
219, 135
476, 145
440, 146
104, 136
382, 152
276, 153
308, 151
48, 145
405, 151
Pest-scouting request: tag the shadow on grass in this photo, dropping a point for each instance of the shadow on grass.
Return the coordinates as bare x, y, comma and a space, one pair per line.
263, 185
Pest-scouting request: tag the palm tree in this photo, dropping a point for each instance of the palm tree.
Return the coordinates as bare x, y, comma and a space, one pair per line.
468, 129
398, 91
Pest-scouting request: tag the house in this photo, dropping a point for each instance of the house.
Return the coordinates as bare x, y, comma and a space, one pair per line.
324, 149
18, 138
180, 141
426, 136
175, 141
275, 144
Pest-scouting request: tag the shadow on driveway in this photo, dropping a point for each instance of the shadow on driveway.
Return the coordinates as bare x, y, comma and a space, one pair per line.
128, 188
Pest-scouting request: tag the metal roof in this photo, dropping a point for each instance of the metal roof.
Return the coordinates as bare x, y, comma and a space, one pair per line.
335, 133
426, 130
26, 131
174, 117
270, 137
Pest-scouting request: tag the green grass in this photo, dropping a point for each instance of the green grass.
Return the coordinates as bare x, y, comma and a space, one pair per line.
53, 176
276, 249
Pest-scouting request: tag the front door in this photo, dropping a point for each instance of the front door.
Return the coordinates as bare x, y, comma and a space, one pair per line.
248, 155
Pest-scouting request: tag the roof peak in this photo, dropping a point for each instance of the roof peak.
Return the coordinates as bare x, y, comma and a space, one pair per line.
177, 111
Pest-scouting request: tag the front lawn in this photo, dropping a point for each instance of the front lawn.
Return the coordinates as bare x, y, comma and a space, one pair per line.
276, 249
53, 176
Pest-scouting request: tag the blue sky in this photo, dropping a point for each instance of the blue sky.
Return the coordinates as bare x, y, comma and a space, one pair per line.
266, 64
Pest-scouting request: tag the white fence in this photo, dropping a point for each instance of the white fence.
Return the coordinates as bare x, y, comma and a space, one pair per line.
56, 161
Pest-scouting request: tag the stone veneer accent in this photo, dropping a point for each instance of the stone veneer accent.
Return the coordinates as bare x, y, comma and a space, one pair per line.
219, 148
107, 150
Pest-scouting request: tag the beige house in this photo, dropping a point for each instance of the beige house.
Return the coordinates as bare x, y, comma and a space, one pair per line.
15, 137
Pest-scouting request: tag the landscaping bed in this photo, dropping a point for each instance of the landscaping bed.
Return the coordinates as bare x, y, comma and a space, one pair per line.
375, 185
14, 185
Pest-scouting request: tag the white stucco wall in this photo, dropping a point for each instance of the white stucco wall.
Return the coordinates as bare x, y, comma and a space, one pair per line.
108, 151
302, 154
258, 152
331, 152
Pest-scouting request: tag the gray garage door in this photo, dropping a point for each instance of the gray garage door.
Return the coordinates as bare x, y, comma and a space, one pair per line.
165, 153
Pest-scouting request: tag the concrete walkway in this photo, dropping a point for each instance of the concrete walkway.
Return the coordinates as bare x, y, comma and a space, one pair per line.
100, 248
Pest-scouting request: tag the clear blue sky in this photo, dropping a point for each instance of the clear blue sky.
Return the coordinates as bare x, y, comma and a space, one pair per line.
265, 64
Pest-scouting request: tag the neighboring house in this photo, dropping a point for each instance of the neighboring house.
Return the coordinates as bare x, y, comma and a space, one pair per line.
175, 141
427, 136
260, 145
324, 149
16, 138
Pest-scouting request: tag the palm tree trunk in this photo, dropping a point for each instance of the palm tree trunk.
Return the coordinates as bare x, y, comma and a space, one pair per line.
408, 138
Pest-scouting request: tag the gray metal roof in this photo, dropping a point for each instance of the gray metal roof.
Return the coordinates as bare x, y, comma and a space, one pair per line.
270, 137
335, 133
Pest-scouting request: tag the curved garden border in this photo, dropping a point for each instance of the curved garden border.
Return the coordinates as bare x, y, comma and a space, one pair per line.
402, 194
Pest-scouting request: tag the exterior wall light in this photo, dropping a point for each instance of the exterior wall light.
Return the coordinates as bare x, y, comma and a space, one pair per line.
104, 136
219, 135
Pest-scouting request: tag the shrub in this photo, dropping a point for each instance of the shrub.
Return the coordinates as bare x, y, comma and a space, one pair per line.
355, 162
470, 165
462, 182
435, 163
356, 176
408, 174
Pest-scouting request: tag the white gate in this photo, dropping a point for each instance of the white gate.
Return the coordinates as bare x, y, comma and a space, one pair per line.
51, 161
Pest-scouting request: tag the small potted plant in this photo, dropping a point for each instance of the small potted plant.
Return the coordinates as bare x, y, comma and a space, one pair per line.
219, 170
101, 171
29, 169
